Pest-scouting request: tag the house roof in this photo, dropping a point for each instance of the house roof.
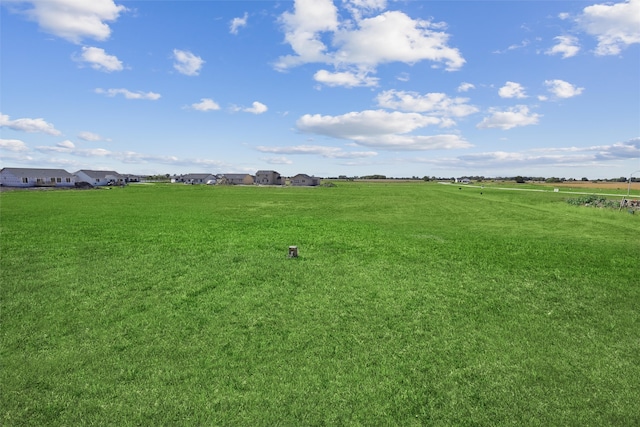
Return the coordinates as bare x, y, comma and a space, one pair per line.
38, 173
98, 174
302, 175
266, 172
236, 175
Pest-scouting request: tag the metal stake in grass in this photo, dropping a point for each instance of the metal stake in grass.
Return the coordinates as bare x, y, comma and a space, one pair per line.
293, 252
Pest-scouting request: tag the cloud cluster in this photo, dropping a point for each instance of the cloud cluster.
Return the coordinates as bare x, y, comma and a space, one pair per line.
360, 44
152, 96
99, 60
29, 125
73, 20
510, 118
615, 26
187, 63
318, 150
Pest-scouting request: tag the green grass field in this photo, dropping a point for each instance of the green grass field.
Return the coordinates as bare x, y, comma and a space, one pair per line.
410, 304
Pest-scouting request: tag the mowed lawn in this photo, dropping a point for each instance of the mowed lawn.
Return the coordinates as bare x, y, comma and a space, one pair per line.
410, 304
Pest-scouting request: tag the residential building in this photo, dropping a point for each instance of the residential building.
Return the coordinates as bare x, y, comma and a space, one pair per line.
26, 177
237, 179
302, 179
196, 178
268, 178
100, 178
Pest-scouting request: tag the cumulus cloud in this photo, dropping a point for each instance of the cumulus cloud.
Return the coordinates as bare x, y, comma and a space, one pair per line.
187, 63
128, 94
509, 119
99, 60
381, 129
345, 79
256, 108
512, 90
29, 125
562, 89
237, 23
433, 103
13, 145
363, 43
319, 150
465, 87
206, 104
277, 160
567, 46
73, 20
90, 136
615, 26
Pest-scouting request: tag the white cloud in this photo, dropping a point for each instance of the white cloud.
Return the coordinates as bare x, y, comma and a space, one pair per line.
434, 103
465, 87
187, 63
237, 23
567, 46
100, 60
615, 26
562, 89
319, 150
548, 157
358, 8
256, 108
29, 125
512, 90
90, 136
206, 104
513, 117
394, 36
364, 43
381, 129
346, 79
13, 145
74, 20
128, 94
277, 160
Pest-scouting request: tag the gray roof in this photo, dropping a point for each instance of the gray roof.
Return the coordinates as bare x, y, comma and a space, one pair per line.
38, 173
98, 174
236, 175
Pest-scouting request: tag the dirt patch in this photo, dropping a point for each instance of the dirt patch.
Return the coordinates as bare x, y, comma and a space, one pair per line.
595, 185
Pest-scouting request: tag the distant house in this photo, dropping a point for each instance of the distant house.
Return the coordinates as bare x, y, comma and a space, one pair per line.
463, 180
268, 178
99, 178
237, 179
197, 178
302, 179
25, 177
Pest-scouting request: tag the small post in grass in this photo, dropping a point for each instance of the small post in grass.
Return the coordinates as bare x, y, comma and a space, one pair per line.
293, 252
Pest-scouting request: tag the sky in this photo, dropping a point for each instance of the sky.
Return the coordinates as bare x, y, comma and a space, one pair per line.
322, 87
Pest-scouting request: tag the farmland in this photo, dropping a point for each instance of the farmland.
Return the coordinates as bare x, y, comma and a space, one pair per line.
410, 304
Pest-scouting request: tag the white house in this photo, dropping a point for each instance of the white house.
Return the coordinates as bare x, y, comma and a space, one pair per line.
26, 177
99, 178
268, 178
303, 179
196, 178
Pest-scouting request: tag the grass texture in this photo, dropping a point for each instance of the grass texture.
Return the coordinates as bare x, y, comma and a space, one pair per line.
410, 304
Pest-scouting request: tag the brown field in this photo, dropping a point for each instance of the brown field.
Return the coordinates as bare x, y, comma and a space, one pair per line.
599, 185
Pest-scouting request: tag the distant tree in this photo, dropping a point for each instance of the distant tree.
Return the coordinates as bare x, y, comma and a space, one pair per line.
426, 178
519, 179
584, 178
553, 179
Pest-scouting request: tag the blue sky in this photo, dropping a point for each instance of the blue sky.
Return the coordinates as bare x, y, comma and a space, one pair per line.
342, 87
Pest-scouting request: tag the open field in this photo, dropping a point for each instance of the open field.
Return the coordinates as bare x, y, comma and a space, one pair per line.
411, 304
